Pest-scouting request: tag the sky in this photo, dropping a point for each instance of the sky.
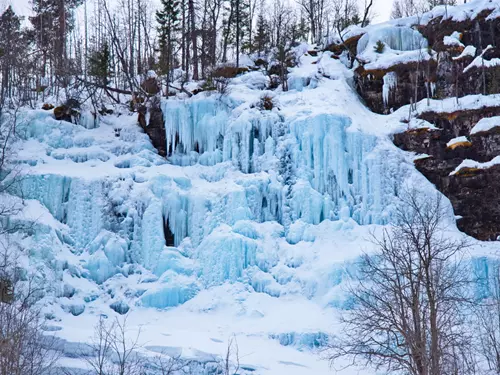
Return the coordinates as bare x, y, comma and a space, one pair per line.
382, 8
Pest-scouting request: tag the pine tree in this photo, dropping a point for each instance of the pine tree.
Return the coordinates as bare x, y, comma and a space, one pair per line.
52, 22
302, 29
168, 18
241, 13
261, 39
435, 3
99, 65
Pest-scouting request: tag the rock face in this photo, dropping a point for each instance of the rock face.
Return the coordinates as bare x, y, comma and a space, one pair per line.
155, 128
67, 112
474, 193
463, 62
454, 57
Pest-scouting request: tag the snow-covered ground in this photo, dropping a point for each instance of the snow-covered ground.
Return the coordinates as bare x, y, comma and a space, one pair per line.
269, 212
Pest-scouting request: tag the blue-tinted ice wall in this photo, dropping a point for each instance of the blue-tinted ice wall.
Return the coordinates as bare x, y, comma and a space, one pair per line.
331, 170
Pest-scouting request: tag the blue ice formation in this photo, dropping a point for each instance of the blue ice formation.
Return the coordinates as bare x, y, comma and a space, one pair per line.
332, 171
485, 274
173, 289
306, 340
223, 255
241, 192
398, 38
252, 168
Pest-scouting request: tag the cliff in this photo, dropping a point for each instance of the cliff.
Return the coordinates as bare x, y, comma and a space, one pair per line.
447, 61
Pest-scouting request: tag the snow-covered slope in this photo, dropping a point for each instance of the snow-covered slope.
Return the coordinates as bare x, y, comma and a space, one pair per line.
250, 228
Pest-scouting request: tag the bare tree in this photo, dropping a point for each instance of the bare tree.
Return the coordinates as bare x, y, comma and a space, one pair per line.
10, 172
24, 348
315, 11
164, 364
366, 12
487, 323
346, 13
112, 352
406, 8
408, 312
230, 363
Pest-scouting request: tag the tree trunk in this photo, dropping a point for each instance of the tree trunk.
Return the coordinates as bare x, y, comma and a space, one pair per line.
192, 19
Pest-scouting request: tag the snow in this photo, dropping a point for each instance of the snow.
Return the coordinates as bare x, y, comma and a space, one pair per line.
246, 61
270, 212
486, 124
151, 74
468, 163
450, 105
453, 39
387, 60
457, 140
469, 51
481, 63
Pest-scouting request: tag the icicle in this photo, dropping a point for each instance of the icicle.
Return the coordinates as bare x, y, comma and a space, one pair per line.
390, 83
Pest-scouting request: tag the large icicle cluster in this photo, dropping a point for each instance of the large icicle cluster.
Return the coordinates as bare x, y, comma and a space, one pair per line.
239, 189
327, 168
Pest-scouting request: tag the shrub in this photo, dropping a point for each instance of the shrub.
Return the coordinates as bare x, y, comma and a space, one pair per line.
274, 82
228, 71
379, 47
208, 85
222, 85
266, 102
261, 62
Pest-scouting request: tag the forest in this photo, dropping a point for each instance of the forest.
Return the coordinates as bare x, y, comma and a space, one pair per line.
91, 48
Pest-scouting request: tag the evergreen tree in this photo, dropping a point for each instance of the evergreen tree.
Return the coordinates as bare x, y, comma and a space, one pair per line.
298, 31
241, 9
236, 27
99, 65
168, 18
435, 3
52, 22
261, 39
302, 29
11, 48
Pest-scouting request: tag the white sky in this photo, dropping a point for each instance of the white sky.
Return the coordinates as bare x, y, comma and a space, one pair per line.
382, 9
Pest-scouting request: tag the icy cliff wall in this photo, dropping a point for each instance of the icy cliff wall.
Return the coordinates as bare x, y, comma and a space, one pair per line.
327, 169
239, 188
251, 215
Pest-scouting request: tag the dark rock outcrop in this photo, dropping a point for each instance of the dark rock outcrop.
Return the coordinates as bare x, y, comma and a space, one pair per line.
463, 63
473, 192
447, 74
155, 128
69, 111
